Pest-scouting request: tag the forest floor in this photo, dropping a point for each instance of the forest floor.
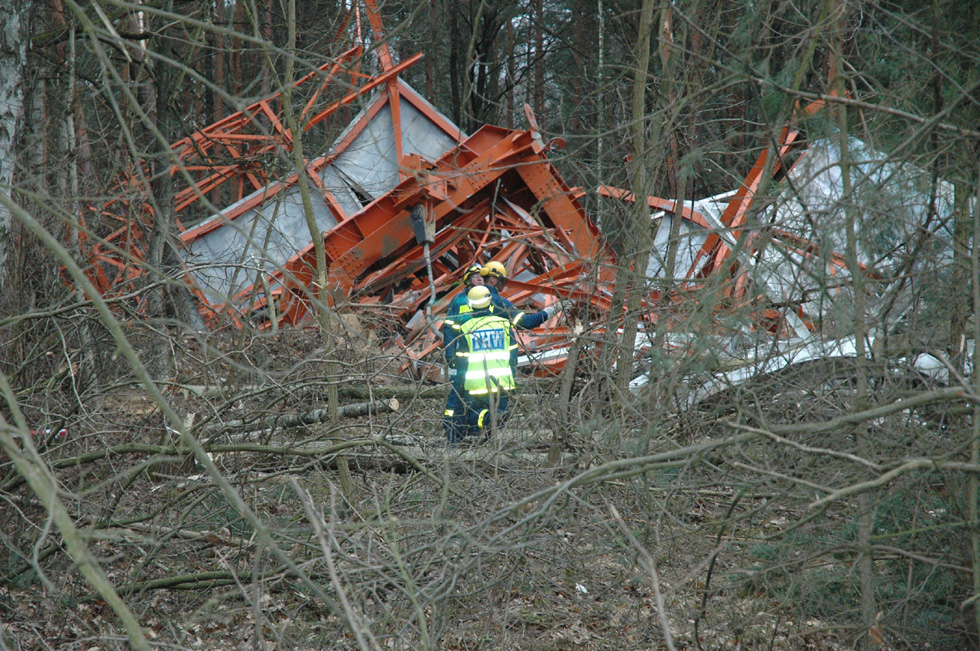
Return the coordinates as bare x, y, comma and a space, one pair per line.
496, 546
508, 578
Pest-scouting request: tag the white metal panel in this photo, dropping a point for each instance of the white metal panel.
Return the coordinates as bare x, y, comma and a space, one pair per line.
260, 239
226, 260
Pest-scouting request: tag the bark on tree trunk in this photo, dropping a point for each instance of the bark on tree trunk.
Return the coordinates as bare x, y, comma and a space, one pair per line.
865, 515
584, 34
539, 94
217, 101
321, 305
13, 59
678, 180
161, 257
974, 431
510, 79
266, 72
960, 279
455, 83
238, 24
332, 414
641, 242
675, 66
430, 61
67, 180
34, 130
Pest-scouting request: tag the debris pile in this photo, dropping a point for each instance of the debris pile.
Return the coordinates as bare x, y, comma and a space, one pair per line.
405, 202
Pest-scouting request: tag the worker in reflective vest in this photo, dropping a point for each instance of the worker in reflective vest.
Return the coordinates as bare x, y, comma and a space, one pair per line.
495, 278
459, 305
484, 376
472, 277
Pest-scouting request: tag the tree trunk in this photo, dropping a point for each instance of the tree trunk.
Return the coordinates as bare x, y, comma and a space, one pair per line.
960, 279
67, 179
974, 431
510, 78
673, 60
265, 71
455, 83
35, 136
217, 101
539, 89
237, 20
865, 515
13, 59
161, 257
640, 242
321, 307
430, 61
332, 414
678, 179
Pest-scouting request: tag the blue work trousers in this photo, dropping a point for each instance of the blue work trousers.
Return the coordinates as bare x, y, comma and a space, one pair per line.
469, 416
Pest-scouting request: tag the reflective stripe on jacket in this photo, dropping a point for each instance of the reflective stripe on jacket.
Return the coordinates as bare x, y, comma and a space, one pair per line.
450, 329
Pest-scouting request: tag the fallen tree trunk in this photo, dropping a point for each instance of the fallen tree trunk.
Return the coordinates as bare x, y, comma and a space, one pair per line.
362, 392
308, 417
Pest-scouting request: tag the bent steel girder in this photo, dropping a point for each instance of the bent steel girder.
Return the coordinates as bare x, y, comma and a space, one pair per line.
492, 162
716, 249
723, 263
348, 188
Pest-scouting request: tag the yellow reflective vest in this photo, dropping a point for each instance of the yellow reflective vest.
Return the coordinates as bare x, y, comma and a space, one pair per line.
484, 360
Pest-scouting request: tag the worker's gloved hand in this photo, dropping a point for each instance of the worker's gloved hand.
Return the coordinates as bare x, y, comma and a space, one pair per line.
563, 305
452, 373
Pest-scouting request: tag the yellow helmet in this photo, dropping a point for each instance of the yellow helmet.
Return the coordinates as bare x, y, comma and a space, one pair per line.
495, 269
478, 297
472, 269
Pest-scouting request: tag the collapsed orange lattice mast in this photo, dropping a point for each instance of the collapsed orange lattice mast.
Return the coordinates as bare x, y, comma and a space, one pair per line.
493, 195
